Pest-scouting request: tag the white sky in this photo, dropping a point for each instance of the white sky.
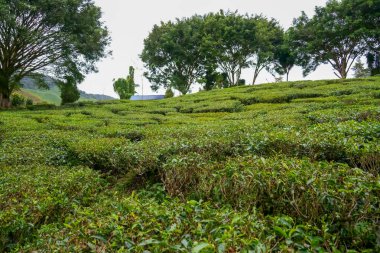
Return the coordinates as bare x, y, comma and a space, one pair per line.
131, 21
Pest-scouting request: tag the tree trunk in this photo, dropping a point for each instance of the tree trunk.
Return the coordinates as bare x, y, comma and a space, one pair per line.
287, 75
5, 101
256, 73
343, 73
343, 70
254, 79
5, 92
232, 81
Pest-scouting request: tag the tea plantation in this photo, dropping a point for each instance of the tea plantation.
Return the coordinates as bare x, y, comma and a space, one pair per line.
285, 167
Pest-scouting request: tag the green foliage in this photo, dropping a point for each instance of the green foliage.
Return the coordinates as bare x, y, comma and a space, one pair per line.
29, 102
338, 34
285, 56
268, 38
214, 49
69, 91
33, 196
177, 54
169, 93
228, 43
373, 61
174, 42
291, 166
63, 37
359, 70
17, 100
52, 95
366, 13
126, 88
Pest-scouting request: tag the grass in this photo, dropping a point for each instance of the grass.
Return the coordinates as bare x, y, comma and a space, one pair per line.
50, 96
287, 167
28, 95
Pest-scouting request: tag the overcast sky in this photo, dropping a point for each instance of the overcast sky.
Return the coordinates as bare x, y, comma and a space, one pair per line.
131, 21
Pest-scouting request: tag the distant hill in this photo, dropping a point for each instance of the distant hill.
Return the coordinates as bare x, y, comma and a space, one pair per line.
52, 95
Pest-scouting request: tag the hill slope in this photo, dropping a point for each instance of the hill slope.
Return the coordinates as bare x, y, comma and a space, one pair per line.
53, 94
277, 167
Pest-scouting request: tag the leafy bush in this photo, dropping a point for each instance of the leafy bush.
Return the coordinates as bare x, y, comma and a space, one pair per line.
169, 93
36, 195
285, 167
17, 100
29, 102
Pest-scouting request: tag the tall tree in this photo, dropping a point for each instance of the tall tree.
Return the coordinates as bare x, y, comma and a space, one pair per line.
366, 14
330, 36
59, 37
268, 37
126, 87
172, 54
227, 43
285, 57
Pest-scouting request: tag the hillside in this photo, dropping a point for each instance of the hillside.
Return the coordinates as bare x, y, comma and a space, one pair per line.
53, 94
284, 167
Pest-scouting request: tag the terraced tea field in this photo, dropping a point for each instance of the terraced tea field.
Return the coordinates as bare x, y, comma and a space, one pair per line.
277, 167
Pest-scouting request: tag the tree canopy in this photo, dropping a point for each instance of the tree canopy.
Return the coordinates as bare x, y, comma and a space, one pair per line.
227, 43
285, 56
64, 38
69, 91
172, 54
367, 16
212, 49
126, 87
268, 38
338, 34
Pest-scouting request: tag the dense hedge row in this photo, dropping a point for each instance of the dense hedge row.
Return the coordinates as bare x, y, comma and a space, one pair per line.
277, 167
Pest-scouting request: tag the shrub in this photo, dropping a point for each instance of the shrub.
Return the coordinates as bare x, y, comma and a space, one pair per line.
17, 100
169, 93
340, 196
29, 102
33, 196
287, 167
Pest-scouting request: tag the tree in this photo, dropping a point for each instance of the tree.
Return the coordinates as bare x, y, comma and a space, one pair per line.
212, 79
59, 37
330, 36
169, 93
285, 57
69, 91
366, 14
126, 88
373, 61
227, 43
268, 37
360, 70
172, 54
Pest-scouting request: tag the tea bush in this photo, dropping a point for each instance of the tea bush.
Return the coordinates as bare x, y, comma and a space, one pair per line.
32, 196
282, 167
335, 193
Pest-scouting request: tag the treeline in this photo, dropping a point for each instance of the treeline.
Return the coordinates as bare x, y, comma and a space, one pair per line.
213, 49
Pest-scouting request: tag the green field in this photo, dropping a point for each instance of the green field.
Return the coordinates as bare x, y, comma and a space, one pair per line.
285, 167
49, 96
